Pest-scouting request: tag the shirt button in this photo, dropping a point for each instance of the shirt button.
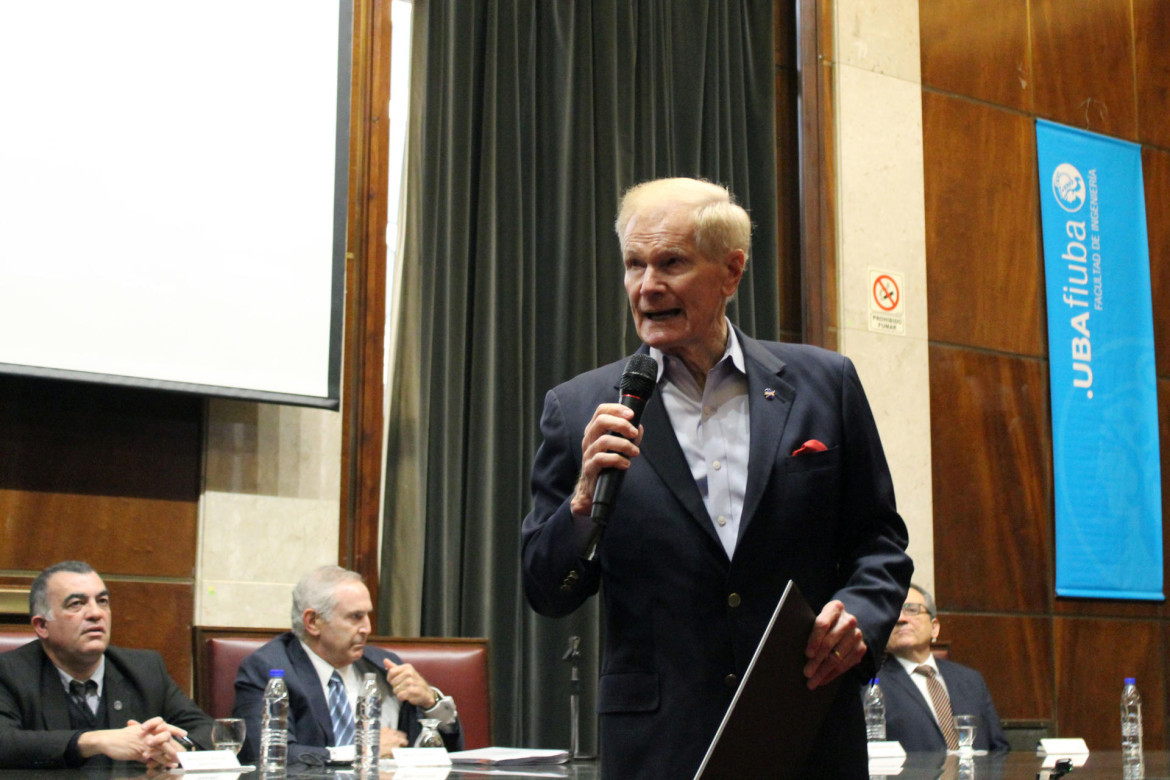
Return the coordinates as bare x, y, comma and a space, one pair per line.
716, 465
733, 600
731, 681
721, 520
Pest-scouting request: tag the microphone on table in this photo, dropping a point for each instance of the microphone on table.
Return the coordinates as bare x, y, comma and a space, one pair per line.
637, 385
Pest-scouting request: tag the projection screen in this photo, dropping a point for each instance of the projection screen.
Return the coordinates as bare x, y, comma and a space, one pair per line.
173, 182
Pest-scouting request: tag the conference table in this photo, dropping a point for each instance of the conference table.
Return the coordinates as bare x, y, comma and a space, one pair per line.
918, 766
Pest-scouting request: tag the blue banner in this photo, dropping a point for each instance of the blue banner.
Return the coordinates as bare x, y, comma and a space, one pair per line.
1106, 470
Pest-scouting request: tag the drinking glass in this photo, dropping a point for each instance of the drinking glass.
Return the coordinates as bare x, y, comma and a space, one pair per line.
965, 724
228, 734
429, 736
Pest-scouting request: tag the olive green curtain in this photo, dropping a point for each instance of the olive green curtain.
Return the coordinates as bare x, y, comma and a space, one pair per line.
529, 118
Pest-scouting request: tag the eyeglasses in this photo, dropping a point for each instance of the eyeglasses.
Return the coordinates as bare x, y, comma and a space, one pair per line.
913, 608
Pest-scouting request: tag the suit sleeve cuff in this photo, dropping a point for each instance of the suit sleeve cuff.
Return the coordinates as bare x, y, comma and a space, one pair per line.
444, 710
73, 757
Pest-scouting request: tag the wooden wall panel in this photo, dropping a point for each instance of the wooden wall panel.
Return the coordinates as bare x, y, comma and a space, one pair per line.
1092, 659
156, 616
1156, 173
1083, 64
983, 264
991, 460
105, 474
1095, 64
1164, 453
968, 51
1151, 25
108, 475
1014, 654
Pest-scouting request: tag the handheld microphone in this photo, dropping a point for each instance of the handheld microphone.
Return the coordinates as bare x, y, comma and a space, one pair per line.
637, 385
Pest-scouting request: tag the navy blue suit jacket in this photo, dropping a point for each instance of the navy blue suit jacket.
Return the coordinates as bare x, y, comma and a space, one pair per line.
310, 729
675, 648
34, 708
910, 717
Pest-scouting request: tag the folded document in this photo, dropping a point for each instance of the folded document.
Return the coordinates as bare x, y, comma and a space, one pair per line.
505, 756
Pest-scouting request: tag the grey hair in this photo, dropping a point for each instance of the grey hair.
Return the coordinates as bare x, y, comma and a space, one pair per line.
38, 594
317, 591
931, 609
721, 225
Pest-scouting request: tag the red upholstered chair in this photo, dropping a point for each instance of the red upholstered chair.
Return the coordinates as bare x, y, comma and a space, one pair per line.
10, 639
459, 667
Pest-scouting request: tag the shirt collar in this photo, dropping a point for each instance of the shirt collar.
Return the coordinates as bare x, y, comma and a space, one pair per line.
325, 669
733, 350
98, 676
910, 666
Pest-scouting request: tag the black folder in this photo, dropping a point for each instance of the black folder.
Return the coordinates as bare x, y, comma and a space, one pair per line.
774, 718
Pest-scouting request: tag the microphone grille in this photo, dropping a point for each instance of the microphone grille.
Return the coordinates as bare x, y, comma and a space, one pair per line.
640, 376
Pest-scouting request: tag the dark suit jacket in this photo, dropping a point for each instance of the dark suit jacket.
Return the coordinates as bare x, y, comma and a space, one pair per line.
674, 647
910, 717
34, 708
310, 729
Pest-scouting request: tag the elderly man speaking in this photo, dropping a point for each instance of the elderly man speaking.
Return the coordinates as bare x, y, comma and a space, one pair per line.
756, 462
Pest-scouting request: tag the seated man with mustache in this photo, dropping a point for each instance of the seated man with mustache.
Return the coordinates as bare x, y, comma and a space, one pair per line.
924, 694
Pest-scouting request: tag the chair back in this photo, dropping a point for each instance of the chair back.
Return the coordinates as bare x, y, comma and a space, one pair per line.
10, 639
457, 666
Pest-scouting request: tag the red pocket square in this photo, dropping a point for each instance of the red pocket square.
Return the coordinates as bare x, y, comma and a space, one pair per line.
812, 445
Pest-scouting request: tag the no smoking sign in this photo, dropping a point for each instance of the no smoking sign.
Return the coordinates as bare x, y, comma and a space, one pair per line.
887, 314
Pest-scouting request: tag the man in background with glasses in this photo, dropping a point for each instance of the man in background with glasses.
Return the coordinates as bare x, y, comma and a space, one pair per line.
924, 694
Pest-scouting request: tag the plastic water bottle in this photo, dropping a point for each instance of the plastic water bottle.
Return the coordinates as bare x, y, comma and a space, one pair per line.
875, 712
368, 739
1132, 763
274, 724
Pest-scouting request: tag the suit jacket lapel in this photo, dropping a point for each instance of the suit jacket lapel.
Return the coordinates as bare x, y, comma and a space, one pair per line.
769, 402
306, 672
122, 700
956, 690
54, 704
900, 678
661, 450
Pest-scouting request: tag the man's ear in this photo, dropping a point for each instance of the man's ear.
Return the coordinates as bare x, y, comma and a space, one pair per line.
309, 620
735, 261
39, 625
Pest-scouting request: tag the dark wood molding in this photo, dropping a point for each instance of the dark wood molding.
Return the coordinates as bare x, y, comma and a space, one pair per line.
365, 301
814, 46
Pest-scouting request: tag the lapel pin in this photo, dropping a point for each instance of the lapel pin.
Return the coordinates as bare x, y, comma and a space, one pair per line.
117, 705
769, 393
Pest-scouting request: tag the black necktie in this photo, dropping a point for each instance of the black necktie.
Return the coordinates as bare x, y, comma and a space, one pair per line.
80, 691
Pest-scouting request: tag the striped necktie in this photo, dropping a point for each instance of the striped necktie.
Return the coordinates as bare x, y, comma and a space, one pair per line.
340, 712
942, 706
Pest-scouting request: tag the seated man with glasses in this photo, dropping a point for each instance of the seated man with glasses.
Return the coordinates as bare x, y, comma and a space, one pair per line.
924, 694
